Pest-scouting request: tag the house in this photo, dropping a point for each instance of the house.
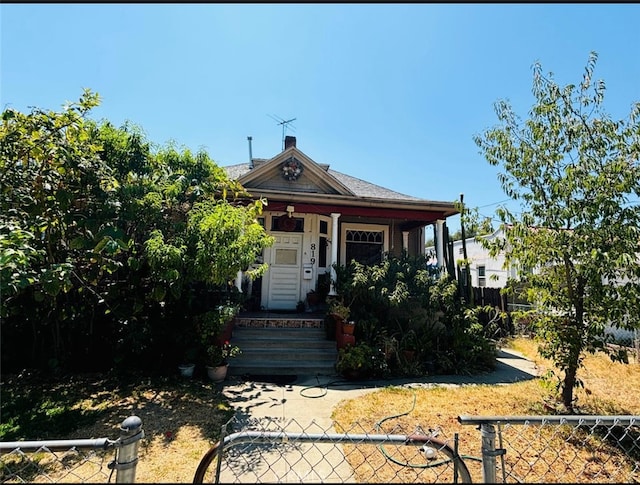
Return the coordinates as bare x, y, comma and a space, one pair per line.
485, 271
320, 216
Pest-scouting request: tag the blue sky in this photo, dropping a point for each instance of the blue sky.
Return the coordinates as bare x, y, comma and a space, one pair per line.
390, 93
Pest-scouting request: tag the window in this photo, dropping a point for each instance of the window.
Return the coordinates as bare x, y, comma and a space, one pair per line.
366, 247
286, 256
323, 242
482, 279
287, 224
364, 243
322, 253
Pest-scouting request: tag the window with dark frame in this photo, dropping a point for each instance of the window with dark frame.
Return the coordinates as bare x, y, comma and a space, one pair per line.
482, 280
365, 247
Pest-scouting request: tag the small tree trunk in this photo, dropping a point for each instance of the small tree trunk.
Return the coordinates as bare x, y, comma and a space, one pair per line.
568, 385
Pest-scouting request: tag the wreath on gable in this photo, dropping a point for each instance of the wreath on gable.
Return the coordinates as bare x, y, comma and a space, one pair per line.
291, 169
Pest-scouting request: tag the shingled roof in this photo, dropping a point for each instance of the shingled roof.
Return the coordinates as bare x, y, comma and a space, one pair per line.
359, 187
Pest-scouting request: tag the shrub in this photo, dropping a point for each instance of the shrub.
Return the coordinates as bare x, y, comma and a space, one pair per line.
401, 298
360, 361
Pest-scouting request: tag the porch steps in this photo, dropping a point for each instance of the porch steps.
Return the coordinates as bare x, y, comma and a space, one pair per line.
282, 350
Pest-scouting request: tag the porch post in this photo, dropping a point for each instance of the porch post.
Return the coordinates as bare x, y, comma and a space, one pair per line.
405, 241
334, 250
422, 242
440, 243
239, 281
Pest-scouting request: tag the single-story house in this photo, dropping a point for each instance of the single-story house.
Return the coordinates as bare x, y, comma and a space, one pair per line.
320, 216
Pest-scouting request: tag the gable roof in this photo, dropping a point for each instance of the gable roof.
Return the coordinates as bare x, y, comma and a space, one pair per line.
358, 187
320, 188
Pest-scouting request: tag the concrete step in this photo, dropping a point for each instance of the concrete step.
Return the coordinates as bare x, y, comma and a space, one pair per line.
283, 350
298, 344
278, 341
283, 354
261, 368
279, 332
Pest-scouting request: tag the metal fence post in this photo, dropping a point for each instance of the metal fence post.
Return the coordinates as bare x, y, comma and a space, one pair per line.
488, 433
127, 455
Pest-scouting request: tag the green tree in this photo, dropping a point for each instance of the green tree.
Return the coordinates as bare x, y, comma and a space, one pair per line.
99, 255
575, 172
54, 188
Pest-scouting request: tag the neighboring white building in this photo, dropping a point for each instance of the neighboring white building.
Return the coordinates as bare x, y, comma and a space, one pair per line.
489, 272
486, 271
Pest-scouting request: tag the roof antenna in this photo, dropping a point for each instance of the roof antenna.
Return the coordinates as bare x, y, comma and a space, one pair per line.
284, 124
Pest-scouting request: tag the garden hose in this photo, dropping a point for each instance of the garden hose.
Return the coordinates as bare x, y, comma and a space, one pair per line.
324, 387
407, 464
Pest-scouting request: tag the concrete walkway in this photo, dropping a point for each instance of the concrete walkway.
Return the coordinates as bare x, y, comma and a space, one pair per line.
306, 404
314, 397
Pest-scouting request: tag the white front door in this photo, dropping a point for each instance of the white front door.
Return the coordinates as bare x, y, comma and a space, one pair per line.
284, 272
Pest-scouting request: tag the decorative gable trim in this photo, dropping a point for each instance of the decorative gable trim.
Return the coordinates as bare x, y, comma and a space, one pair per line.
293, 171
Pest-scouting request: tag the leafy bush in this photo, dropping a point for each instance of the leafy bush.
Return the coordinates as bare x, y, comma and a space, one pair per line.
361, 361
403, 299
109, 248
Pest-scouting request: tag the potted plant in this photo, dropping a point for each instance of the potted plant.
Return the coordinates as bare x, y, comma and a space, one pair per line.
389, 346
339, 310
409, 346
214, 328
188, 362
340, 313
219, 356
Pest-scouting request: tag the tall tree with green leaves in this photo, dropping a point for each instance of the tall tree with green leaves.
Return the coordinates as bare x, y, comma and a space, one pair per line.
576, 173
106, 246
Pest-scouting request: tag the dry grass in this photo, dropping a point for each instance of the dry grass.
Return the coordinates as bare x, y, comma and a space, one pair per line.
609, 388
182, 418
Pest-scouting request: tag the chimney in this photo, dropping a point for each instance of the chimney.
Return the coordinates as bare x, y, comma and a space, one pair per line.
289, 141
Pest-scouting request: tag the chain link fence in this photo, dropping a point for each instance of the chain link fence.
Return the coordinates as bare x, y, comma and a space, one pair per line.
552, 449
269, 450
73, 461
534, 449
626, 339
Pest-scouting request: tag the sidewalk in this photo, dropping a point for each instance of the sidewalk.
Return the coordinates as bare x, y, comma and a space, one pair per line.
305, 405
314, 397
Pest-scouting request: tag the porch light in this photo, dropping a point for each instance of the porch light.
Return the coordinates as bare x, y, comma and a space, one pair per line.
290, 210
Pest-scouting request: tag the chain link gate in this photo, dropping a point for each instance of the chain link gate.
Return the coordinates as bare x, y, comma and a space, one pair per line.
530, 449
274, 450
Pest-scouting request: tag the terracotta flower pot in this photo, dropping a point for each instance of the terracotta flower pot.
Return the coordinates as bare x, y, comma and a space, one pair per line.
217, 373
348, 327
